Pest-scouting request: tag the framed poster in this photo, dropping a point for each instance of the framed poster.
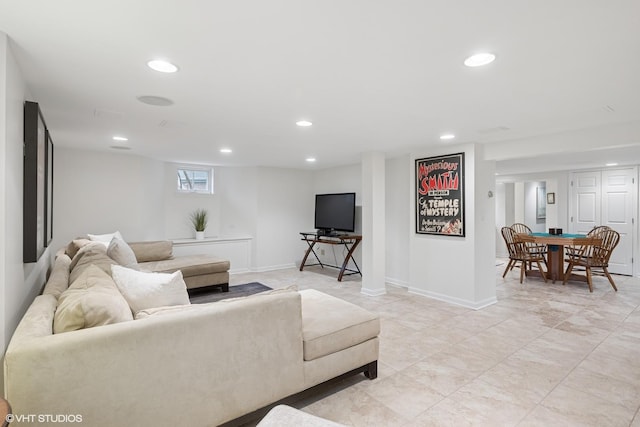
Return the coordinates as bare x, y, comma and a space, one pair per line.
440, 195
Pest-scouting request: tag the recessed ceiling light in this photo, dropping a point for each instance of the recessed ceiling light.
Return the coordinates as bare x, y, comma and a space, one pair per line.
225, 150
479, 59
447, 136
611, 164
303, 123
162, 66
120, 138
121, 147
310, 159
158, 101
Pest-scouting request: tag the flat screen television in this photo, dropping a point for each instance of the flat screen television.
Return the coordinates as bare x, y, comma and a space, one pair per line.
335, 212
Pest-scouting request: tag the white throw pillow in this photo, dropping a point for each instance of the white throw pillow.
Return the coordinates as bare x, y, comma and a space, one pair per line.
122, 253
148, 290
105, 239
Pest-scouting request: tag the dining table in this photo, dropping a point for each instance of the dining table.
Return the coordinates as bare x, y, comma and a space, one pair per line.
555, 250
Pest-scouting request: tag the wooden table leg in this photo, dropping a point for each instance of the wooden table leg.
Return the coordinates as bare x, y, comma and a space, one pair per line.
311, 243
555, 262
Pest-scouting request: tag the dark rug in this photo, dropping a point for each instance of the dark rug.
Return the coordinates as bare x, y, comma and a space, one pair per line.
234, 292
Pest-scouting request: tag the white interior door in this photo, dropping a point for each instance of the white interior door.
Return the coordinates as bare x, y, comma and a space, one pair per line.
618, 196
606, 198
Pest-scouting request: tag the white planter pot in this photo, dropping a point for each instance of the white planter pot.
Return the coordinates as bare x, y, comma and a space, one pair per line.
199, 235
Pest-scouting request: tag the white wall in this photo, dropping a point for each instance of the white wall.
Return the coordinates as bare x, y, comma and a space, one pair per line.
398, 220
285, 204
101, 192
459, 270
19, 282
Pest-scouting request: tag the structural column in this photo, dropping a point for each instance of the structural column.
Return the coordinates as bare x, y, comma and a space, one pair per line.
373, 224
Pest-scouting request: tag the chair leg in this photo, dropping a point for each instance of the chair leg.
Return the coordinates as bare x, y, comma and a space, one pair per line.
589, 279
509, 267
544, 276
567, 273
523, 267
606, 271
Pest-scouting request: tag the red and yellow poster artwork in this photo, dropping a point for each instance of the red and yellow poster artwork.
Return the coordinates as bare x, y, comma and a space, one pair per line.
440, 195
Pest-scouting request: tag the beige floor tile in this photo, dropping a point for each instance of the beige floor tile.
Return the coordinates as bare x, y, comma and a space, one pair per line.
498, 405
449, 413
402, 394
604, 387
585, 409
440, 376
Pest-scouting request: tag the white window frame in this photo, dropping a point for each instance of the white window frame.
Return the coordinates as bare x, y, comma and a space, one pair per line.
194, 168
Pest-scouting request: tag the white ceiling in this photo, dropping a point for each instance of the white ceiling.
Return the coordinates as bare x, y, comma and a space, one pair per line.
372, 75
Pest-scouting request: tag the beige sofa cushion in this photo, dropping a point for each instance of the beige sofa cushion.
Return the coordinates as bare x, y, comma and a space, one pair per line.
190, 265
92, 300
122, 253
91, 254
330, 324
75, 245
152, 250
144, 290
59, 279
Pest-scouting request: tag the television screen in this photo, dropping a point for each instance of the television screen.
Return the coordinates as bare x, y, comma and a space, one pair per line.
335, 212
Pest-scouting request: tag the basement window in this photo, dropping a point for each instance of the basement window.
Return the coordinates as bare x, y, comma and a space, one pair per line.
195, 180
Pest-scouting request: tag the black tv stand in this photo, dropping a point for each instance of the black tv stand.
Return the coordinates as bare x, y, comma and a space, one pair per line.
349, 241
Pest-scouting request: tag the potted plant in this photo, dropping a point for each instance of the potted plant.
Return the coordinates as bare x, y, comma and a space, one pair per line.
199, 221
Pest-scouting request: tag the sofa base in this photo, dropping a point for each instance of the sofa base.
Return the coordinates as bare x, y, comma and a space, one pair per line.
370, 370
224, 287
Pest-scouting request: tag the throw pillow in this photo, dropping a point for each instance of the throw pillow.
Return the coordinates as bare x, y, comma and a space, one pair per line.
121, 253
105, 239
144, 290
92, 300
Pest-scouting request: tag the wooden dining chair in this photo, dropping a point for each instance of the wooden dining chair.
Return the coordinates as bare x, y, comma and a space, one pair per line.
521, 228
518, 248
594, 252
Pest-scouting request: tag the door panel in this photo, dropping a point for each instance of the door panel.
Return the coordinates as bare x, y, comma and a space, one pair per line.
586, 206
618, 190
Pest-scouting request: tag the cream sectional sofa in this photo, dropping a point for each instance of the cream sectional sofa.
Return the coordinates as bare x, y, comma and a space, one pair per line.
195, 365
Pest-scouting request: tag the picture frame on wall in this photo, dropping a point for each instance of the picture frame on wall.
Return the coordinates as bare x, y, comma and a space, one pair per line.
49, 190
439, 195
37, 230
551, 198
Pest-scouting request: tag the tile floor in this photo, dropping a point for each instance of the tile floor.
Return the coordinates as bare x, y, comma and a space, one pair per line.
544, 355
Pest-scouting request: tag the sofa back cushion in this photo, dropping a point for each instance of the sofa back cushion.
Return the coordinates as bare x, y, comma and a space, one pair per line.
91, 254
153, 250
75, 245
58, 280
92, 300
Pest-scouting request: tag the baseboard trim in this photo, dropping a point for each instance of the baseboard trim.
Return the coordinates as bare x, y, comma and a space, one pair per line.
273, 268
475, 305
396, 283
373, 292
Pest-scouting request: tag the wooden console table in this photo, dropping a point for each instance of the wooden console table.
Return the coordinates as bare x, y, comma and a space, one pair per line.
349, 241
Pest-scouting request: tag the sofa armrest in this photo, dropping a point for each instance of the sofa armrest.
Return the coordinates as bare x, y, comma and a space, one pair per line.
215, 364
